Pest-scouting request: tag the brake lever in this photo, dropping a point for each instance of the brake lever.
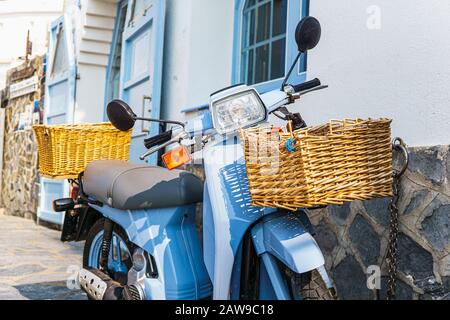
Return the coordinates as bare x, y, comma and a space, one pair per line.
182, 135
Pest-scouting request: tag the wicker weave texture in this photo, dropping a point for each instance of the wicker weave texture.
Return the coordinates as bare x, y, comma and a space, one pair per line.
66, 150
332, 163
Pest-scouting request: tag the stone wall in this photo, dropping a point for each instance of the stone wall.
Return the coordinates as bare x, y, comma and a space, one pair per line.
355, 235
20, 172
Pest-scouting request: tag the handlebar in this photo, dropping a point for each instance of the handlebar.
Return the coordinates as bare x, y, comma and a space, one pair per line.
176, 139
307, 85
158, 139
273, 100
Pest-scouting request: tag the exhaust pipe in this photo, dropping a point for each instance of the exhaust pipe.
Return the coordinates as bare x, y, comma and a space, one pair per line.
99, 286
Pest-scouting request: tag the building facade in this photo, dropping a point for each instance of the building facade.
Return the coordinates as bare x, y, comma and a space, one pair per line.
388, 59
22, 18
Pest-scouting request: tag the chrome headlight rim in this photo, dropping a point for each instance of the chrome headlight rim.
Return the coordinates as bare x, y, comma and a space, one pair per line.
227, 94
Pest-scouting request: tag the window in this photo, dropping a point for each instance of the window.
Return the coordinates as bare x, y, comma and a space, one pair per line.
139, 9
265, 42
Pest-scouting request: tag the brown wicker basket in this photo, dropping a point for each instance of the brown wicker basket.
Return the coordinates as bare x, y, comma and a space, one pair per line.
65, 150
332, 163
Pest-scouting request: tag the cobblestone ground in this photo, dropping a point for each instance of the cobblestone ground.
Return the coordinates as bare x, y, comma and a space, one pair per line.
34, 263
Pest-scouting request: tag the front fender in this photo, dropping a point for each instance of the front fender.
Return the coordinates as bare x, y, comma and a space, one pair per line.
286, 238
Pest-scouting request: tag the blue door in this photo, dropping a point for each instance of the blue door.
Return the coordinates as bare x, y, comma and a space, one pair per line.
141, 68
59, 105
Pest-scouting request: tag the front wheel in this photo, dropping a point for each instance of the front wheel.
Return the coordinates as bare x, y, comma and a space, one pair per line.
309, 286
120, 255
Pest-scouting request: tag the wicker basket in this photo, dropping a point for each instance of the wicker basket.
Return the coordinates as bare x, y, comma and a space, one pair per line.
65, 150
332, 163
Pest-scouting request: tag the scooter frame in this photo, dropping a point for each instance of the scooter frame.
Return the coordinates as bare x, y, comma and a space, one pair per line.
230, 225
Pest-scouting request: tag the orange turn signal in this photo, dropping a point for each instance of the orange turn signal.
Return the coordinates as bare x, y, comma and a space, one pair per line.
176, 157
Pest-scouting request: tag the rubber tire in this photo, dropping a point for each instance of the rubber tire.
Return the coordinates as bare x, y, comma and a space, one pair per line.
95, 229
309, 286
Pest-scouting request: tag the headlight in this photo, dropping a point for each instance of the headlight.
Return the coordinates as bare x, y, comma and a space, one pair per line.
236, 108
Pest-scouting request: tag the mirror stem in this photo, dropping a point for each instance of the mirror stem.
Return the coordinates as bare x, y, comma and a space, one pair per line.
160, 121
290, 70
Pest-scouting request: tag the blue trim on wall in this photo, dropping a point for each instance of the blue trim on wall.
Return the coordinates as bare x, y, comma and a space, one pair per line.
154, 18
112, 52
61, 187
296, 10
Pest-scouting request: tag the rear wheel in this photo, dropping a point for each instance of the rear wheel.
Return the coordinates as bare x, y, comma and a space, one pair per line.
120, 255
309, 286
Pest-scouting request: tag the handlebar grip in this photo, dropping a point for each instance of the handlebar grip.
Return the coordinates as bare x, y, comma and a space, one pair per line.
157, 140
307, 85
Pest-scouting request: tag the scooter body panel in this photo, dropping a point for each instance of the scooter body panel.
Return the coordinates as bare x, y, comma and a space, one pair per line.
286, 238
266, 291
170, 236
228, 215
230, 208
209, 249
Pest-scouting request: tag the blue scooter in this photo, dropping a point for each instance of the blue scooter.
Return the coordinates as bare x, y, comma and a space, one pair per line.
139, 221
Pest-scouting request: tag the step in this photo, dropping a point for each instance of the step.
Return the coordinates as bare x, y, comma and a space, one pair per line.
94, 47
99, 22
109, 1
92, 58
97, 34
101, 8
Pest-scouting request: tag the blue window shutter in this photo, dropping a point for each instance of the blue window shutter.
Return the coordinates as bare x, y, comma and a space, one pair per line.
59, 105
141, 70
110, 92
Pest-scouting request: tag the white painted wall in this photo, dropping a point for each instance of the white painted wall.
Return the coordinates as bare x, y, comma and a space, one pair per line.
93, 22
401, 71
197, 52
90, 97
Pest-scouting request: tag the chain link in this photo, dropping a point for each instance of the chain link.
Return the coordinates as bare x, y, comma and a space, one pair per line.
393, 225
393, 237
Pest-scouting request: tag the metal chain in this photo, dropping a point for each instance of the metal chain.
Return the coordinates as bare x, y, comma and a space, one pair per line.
398, 144
393, 236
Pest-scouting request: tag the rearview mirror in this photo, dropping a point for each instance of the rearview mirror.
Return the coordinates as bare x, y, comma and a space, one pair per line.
307, 33
120, 115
